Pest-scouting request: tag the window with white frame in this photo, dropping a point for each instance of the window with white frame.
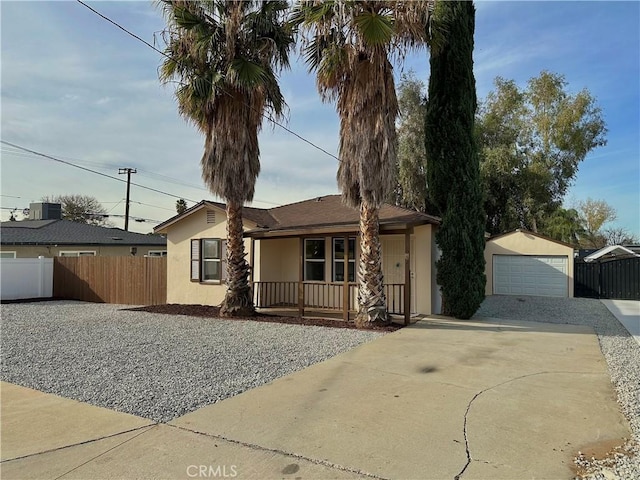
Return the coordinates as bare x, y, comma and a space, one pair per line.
77, 253
157, 253
314, 259
338, 260
7, 254
207, 260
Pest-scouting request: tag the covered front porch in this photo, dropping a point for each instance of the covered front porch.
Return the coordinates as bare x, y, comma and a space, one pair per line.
314, 272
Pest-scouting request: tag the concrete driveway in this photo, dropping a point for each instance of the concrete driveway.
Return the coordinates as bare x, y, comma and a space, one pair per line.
440, 399
628, 314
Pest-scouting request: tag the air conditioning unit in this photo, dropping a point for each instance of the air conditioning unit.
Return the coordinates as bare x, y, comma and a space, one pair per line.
45, 211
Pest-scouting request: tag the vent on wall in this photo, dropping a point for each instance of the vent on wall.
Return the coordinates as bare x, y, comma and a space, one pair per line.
211, 216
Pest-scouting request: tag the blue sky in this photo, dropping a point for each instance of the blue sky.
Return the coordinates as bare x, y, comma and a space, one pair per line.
77, 88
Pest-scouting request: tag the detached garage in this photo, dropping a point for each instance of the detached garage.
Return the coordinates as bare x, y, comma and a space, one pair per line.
526, 263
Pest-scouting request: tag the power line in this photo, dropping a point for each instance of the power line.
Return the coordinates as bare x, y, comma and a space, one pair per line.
123, 29
154, 206
268, 117
141, 172
108, 166
92, 171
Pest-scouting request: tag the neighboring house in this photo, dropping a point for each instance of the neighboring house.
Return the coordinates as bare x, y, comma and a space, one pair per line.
303, 256
46, 234
526, 263
609, 253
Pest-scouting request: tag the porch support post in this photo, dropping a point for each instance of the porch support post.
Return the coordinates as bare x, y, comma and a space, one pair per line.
301, 279
407, 277
252, 259
345, 284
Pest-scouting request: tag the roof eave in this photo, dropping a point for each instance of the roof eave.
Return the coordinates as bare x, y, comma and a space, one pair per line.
306, 230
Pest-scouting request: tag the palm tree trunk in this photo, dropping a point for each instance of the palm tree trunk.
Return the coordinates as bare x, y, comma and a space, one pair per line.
238, 301
372, 304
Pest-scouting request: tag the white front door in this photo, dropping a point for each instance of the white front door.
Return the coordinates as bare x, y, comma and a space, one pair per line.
393, 263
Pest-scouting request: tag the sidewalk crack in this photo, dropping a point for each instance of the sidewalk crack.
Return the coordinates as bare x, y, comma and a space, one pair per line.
79, 443
466, 413
282, 452
145, 429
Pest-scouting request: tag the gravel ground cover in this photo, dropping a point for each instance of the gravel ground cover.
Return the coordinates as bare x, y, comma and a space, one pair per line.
153, 365
620, 351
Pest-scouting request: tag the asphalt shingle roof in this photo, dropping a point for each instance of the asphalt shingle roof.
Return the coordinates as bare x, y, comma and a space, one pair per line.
325, 211
65, 232
330, 210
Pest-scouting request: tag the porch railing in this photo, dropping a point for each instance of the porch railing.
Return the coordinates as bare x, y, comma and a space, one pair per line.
321, 296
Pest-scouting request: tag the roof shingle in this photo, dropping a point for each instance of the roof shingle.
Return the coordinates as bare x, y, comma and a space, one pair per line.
65, 232
325, 211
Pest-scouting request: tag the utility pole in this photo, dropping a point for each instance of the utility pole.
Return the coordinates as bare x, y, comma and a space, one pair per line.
128, 171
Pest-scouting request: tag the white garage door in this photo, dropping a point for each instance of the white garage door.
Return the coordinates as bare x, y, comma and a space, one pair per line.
544, 276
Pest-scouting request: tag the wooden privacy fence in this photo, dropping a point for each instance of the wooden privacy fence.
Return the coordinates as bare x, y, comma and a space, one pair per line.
121, 280
615, 279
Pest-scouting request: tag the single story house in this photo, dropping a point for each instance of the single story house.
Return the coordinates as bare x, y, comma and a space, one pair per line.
46, 234
303, 256
527, 263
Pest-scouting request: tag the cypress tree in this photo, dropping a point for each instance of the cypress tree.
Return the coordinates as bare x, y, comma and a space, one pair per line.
453, 170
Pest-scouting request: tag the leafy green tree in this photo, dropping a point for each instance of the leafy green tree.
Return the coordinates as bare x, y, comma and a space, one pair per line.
453, 170
225, 56
348, 45
81, 209
181, 206
565, 225
532, 142
411, 185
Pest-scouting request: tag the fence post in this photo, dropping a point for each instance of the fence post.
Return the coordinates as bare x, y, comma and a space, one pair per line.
41, 276
599, 279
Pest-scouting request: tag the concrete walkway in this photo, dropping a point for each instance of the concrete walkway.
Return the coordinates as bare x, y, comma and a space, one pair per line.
628, 313
440, 399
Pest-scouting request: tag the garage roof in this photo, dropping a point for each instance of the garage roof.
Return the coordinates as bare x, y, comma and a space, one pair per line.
520, 230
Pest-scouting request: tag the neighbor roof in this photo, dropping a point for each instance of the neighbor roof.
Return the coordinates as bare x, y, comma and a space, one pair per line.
612, 250
320, 212
65, 232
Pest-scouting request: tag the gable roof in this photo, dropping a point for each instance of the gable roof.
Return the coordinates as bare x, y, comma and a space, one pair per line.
527, 232
259, 216
612, 250
329, 210
65, 232
320, 212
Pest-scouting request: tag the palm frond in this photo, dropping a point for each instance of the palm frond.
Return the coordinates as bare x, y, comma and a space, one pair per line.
375, 29
245, 74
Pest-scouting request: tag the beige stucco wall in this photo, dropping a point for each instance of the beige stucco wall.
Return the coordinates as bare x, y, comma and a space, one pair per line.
180, 288
35, 251
277, 260
522, 243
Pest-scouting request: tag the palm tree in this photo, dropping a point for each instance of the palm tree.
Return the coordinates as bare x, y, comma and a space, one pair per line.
225, 56
349, 45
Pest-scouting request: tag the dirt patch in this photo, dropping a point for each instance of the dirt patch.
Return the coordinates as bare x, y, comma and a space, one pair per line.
592, 457
209, 311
